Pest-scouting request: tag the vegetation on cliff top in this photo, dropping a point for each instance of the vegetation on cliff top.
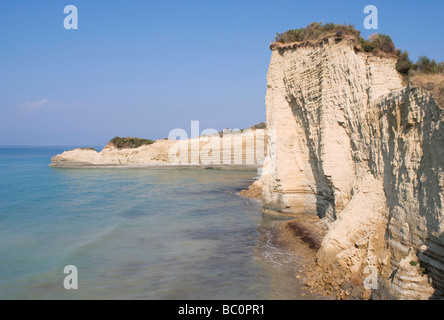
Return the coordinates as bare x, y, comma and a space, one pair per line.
426, 72
424, 65
315, 31
261, 125
129, 143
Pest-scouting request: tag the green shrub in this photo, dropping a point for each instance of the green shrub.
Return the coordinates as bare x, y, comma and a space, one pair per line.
129, 143
404, 63
261, 125
425, 65
340, 34
368, 46
316, 31
376, 44
383, 42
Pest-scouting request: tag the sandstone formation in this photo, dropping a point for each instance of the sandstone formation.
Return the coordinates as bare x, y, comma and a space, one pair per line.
348, 142
239, 150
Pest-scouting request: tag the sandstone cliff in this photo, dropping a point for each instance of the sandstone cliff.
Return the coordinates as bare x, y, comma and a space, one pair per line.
232, 150
349, 143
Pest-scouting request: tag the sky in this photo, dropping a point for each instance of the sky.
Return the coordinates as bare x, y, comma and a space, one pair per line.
143, 68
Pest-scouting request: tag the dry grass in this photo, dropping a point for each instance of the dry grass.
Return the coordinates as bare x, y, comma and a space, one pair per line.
433, 83
315, 33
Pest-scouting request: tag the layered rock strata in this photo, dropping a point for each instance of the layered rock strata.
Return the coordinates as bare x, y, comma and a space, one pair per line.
349, 143
232, 150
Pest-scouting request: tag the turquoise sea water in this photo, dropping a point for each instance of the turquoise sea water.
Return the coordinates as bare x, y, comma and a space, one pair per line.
134, 233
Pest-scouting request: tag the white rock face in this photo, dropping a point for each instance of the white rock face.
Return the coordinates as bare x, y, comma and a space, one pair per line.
347, 142
246, 149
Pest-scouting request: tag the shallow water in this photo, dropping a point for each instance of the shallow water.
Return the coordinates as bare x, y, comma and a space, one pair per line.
135, 234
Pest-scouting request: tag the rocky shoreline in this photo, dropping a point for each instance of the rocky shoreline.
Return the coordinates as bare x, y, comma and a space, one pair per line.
302, 236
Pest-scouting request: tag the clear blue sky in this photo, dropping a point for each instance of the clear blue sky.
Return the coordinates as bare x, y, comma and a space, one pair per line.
142, 68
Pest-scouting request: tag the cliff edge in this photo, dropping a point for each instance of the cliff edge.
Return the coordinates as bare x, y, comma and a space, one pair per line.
231, 150
348, 142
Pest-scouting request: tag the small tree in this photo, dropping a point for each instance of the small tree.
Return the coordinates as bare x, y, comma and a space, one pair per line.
404, 63
425, 65
260, 125
383, 42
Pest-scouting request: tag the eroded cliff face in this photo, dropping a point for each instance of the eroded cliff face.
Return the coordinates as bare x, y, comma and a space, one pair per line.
349, 143
233, 150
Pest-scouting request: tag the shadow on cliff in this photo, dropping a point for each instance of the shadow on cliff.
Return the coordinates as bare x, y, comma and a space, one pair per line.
424, 181
431, 207
325, 197
416, 123
434, 274
430, 197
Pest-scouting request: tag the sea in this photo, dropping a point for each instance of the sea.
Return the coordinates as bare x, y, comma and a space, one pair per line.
135, 234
